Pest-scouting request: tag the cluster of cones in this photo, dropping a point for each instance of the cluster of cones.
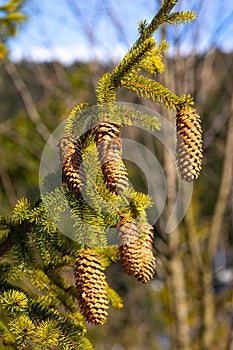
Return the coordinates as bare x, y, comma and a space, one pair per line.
135, 238
136, 258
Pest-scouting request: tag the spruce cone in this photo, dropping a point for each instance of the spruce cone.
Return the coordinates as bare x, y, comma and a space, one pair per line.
73, 173
136, 253
147, 268
91, 283
130, 248
189, 143
110, 155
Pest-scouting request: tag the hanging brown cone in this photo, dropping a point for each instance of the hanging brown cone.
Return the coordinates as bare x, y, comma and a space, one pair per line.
129, 248
189, 151
91, 286
73, 174
136, 253
115, 175
147, 267
109, 147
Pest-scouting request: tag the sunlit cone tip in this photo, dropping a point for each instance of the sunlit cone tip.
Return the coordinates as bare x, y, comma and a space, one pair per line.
91, 287
189, 151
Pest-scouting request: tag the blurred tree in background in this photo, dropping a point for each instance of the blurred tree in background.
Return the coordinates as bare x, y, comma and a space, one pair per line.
10, 19
188, 305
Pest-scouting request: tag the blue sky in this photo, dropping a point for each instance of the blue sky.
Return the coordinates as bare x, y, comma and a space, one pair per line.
69, 30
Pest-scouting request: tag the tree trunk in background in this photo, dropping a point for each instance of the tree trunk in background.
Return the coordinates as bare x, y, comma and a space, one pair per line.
208, 326
208, 302
179, 306
174, 265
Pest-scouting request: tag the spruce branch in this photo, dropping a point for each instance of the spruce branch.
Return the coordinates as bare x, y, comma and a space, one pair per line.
131, 63
131, 117
60, 288
182, 17
55, 203
140, 51
158, 19
15, 302
106, 93
108, 255
47, 335
23, 329
153, 64
114, 298
141, 27
72, 336
151, 89
144, 54
22, 209
89, 223
10, 20
72, 118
